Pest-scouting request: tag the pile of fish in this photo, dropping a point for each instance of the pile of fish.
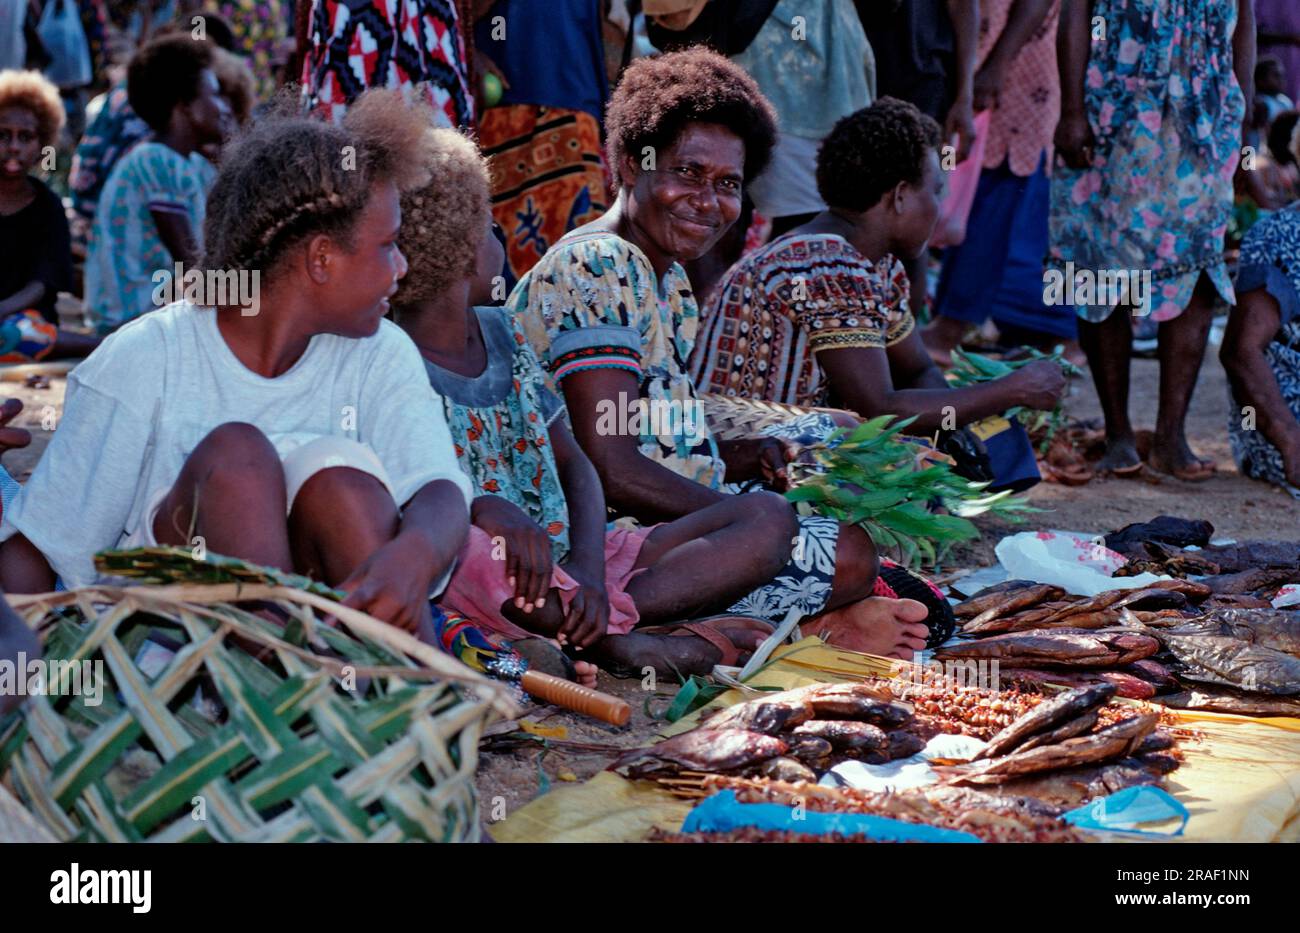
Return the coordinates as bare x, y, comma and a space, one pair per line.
790, 736
1245, 574
1168, 640
1061, 751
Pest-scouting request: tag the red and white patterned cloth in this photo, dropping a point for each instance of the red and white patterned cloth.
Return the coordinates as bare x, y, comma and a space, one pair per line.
1029, 101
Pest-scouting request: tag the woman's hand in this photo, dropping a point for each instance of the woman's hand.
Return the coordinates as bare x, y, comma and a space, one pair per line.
12, 438
587, 618
1039, 385
1074, 140
988, 84
527, 548
392, 584
960, 123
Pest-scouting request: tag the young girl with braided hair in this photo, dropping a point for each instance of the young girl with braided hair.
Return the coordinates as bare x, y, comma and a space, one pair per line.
299, 431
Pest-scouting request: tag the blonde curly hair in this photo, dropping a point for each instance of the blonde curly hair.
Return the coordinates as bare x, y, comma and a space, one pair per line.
33, 92
289, 177
444, 222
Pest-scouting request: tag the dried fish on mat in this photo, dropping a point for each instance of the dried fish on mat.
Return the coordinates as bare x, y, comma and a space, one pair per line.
700, 750
1114, 741
1226, 700
1059, 648
1073, 787
1232, 662
1127, 685
985, 605
1048, 715
1099, 611
1278, 629
768, 714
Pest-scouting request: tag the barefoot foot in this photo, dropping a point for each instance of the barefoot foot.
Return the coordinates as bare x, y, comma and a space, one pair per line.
891, 628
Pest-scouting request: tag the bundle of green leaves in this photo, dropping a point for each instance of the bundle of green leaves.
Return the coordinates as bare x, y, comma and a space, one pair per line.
874, 478
973, 368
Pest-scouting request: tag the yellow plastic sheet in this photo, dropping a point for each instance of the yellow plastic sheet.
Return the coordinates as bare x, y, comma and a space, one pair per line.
1240, 778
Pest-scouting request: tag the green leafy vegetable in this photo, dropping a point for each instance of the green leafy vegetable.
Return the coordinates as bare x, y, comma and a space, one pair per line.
872, 479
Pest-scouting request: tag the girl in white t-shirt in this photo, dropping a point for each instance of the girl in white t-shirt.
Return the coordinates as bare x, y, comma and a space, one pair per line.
272, 414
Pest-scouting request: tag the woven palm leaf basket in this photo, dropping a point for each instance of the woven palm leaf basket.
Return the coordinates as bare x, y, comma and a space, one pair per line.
213, 722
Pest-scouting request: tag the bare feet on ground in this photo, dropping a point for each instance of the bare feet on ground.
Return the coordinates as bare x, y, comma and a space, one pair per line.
892, 628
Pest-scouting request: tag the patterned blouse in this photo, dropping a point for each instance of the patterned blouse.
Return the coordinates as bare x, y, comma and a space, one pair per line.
594, 302
500, 422
777, 307
1029, 101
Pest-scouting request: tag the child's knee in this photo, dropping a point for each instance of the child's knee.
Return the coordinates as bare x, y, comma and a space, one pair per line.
235, 452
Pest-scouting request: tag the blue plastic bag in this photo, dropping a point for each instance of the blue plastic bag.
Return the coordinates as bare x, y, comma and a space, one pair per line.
64, 38
1119, 812
723, 812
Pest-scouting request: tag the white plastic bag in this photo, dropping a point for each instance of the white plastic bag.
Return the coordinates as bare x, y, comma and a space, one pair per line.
1080, 564
64, 38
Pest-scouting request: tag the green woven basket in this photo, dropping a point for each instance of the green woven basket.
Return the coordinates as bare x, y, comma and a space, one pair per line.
213, 723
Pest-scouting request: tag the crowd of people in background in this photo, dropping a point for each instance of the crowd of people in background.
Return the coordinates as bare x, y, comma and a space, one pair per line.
477, 224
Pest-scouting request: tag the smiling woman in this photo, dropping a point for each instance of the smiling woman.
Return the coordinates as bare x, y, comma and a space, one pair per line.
611, 315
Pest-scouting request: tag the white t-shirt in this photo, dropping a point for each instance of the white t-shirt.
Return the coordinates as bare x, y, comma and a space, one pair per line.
140, 404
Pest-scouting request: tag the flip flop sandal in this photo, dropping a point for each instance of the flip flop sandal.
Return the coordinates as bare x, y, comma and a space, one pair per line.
707, 629
1203, 470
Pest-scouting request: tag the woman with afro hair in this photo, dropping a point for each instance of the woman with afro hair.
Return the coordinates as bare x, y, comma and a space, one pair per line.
34, 238
821, 315
610, 313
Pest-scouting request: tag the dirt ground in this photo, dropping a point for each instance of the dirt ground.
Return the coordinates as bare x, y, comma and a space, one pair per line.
513, 771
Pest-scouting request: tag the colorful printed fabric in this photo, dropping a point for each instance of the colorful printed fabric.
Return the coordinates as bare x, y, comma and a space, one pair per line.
1166, 110
499, 423
593, 301
778, 307
1029, 100
547, 176
112, 131
25, 337
1270, 259
125, 247
259, 27
359, 44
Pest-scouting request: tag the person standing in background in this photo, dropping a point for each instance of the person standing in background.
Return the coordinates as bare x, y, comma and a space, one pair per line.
542, 139
354, 45
925, 55
998, 271
1150, 136
813, 62
1279, 36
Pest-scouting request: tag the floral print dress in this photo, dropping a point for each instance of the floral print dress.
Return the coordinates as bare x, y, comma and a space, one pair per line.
1166, 110
594, 302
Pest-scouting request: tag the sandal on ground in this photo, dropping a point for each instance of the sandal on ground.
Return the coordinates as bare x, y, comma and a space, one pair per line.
1197, 473
709, 629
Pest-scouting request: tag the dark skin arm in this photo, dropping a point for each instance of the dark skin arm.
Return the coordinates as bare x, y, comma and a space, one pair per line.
965, 16
1252, 325
175, 233
1074, 139
1243, 52
863, 380
23, 569
393, 583
26, 297
588, 614
1025, 18
634, 485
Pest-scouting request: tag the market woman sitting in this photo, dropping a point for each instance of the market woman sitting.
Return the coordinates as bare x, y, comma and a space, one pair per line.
610, 313
820, 315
